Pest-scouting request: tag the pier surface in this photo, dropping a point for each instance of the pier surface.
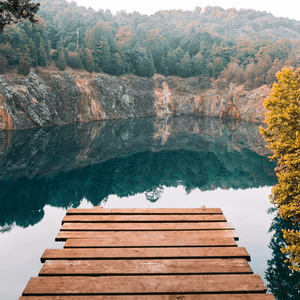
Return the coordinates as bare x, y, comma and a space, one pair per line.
146, 254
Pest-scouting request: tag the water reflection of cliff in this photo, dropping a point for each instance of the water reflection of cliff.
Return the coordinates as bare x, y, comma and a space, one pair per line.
283, 283
61, 165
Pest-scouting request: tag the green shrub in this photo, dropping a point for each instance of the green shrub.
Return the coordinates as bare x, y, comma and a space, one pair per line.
72, 47
61, 62
89, 63
42, 57
3, 64
24, 66
53, 54
74, 61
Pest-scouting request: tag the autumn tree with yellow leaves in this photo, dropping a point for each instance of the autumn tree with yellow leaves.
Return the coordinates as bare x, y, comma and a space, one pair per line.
283, 137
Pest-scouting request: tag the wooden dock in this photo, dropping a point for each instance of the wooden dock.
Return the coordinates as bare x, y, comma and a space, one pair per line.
146, 254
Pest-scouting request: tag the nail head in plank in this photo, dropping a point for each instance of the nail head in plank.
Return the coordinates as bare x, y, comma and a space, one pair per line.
45, 285
146, 253
146, 226
140, 211
255, 296
143, 218
142, 266
148, 238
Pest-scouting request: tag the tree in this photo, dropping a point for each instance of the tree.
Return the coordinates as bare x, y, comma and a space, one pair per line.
89, 64
283, 137
125, 38
185, 66
61, 61
271, 75
3, 64
155, 43
233, 73
24, 66
74, 60
12, 11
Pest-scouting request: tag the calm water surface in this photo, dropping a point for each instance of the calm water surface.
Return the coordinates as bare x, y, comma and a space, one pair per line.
178, 161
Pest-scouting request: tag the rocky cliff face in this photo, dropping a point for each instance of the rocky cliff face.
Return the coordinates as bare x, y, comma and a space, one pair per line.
48, 97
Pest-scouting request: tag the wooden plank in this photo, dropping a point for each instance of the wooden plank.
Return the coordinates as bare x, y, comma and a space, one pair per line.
143, 218
148, 238
142, 266
145, 226
158, 242
141, 211
57, 285
255, 296
145, 253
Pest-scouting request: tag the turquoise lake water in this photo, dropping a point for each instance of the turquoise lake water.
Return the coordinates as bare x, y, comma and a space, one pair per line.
182, 161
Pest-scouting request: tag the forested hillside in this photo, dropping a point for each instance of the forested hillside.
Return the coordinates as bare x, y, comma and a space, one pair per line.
239, 46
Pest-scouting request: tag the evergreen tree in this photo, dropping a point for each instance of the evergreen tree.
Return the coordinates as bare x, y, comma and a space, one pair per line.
42, 57
74, 61
89, 63
61, 61
185, 66
117, 65
150, 65
198, 65
170, 63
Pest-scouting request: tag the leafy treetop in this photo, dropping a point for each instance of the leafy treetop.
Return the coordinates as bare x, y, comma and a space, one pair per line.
283, 137
12, 11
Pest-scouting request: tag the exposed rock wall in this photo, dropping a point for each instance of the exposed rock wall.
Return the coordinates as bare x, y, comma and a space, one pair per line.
48, 97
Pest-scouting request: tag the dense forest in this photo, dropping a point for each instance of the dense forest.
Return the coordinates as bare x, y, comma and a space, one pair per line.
239, 46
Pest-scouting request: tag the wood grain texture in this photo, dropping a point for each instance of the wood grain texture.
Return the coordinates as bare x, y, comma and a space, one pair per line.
146, 226
140, 211
117, 243
152, 284
148, 238
145, 253
142, 266
144, 218
158, 297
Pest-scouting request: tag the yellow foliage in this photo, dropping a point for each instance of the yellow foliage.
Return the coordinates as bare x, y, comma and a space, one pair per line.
292, 249
283, 137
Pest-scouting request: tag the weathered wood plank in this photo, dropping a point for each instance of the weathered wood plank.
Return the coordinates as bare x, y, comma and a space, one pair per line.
141, 266
140, 211
145, 253
145, 226
158, 242
148, 238
143, 218
255, 296
57, 285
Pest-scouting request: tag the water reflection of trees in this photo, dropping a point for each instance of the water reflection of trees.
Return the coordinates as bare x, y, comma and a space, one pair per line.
283, 283
61, 165
22, 200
